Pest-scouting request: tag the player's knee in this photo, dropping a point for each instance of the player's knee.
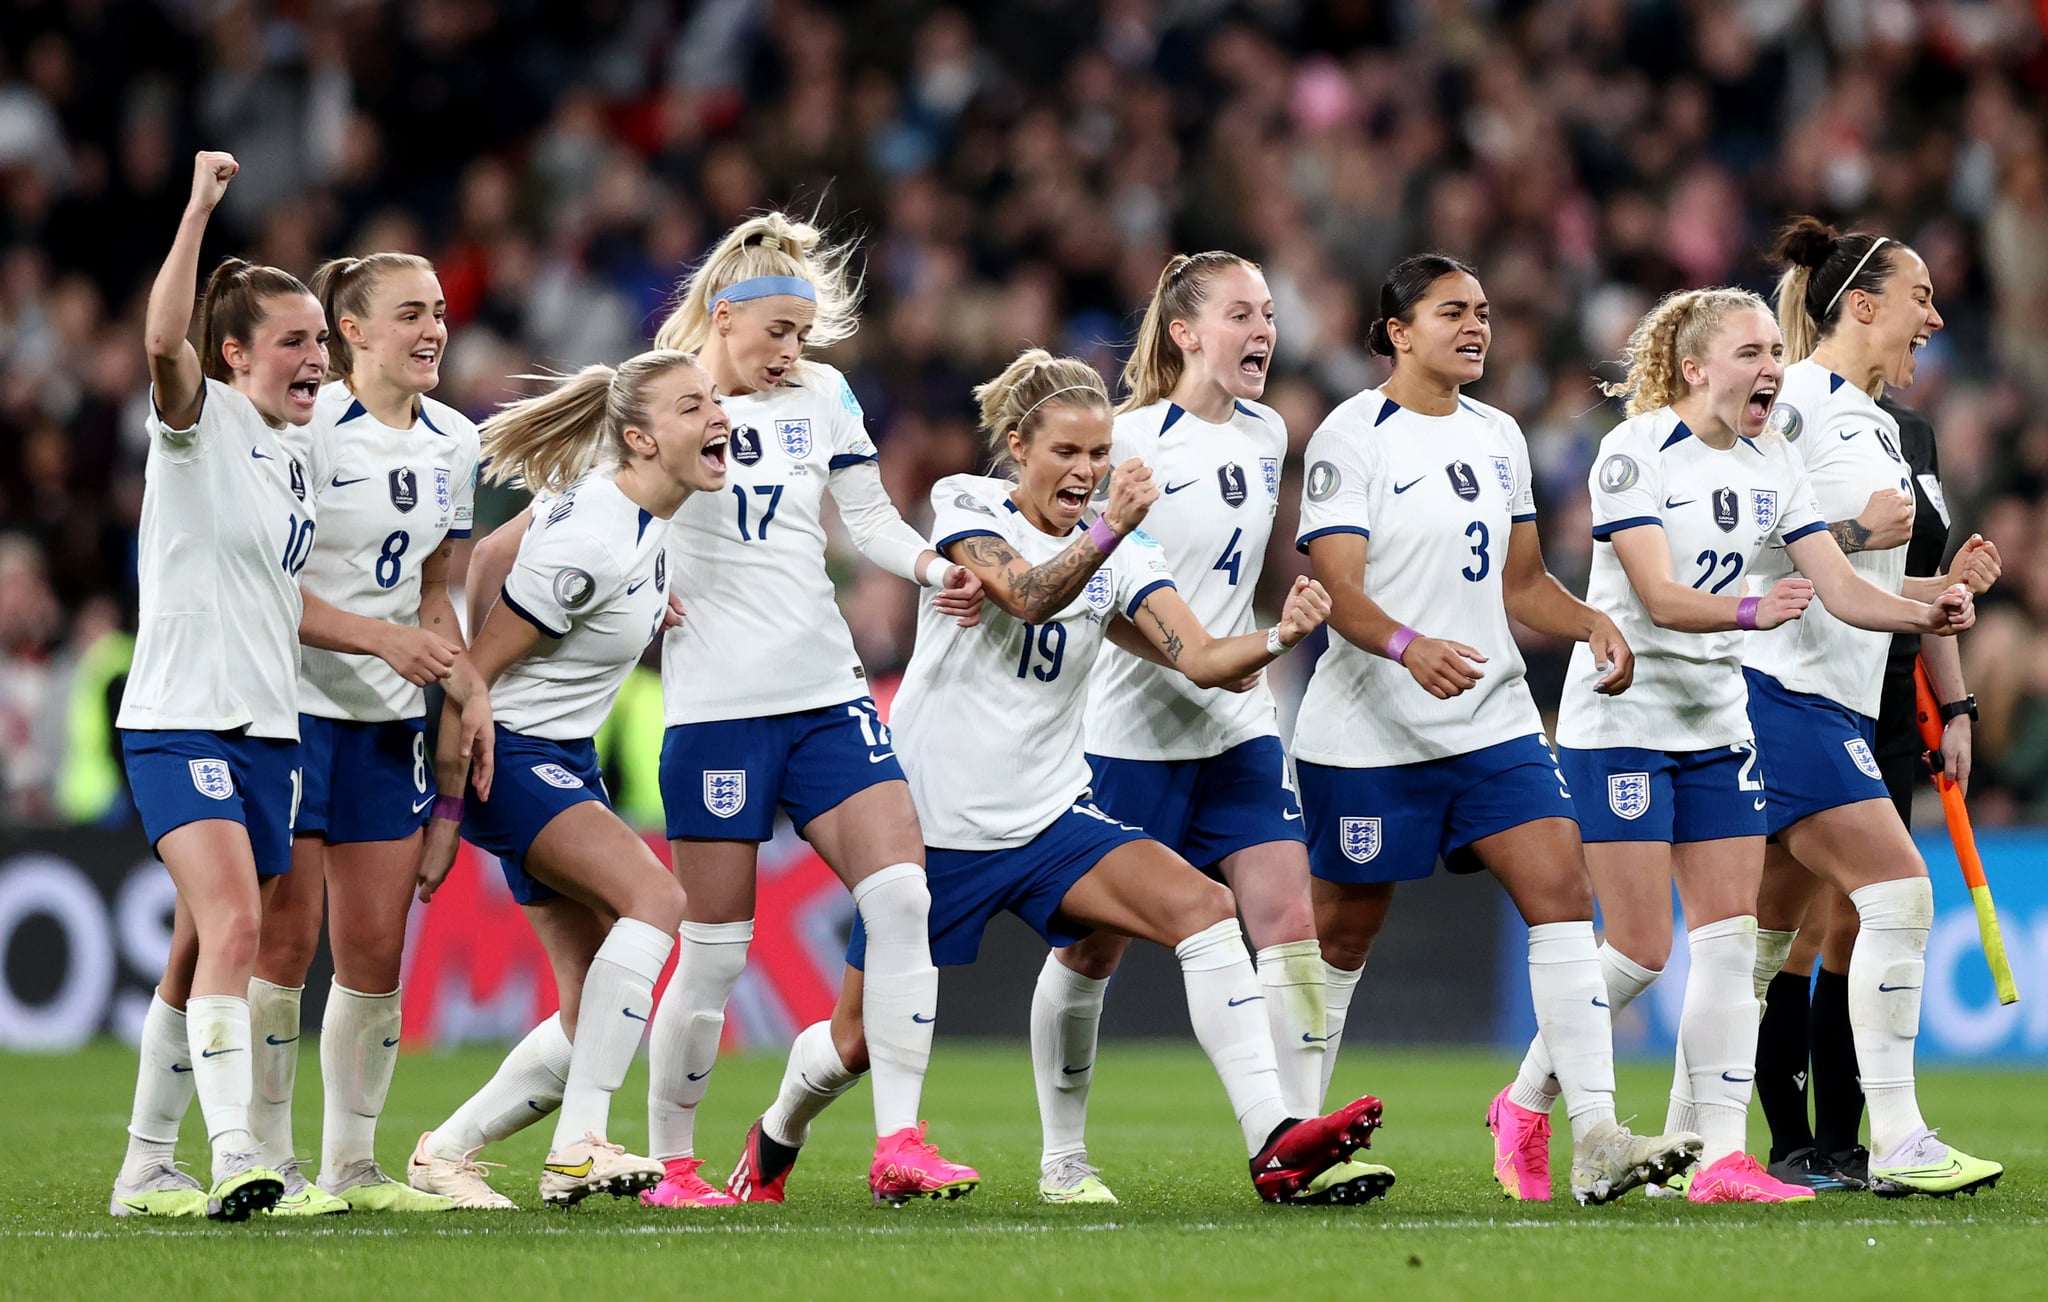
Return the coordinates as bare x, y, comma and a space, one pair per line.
850, 1043
1095, 957
1347, 952
658, 901
1203, 906
286, 951
1276, 922
230, 936
369, 963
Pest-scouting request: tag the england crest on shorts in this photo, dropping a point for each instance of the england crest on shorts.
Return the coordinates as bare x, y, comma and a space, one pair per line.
1359, 838
725, 791
1269, 472
444, 497
1859, 750
1628, 794
1504, 470
795, 437
1098, 591
1763, 504
211, 778
557, 776
405, 488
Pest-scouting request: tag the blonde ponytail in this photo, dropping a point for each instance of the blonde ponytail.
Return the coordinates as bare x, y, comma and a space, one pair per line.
1034, 380
550, 440
344, 287
1682, 325
771, 244
1157, 362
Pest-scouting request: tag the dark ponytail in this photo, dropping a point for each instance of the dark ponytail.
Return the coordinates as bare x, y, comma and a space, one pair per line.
1405, 285
1822, 266
232, 307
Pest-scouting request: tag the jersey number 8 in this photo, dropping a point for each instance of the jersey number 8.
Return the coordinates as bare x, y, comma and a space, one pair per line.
388, 557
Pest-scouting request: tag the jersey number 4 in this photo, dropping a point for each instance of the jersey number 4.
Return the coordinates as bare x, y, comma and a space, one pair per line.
1232, 560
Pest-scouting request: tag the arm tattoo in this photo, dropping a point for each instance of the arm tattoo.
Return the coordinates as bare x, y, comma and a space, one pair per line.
1169, 641
989, 550
1852, 536
1045, 590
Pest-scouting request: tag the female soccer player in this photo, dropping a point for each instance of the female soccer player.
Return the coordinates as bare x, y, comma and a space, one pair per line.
1855, 308
1199, 768
991, 716
394, 476
1688, 494
767, 705
590, 587
1406, 748
209, 724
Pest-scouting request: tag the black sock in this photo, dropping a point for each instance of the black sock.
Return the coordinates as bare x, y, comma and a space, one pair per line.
1837, 1090
1781, 1064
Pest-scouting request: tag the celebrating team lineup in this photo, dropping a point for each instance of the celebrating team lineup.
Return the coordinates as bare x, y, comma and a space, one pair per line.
1085, 735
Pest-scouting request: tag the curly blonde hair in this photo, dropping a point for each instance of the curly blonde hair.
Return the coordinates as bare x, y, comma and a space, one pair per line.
1682, 325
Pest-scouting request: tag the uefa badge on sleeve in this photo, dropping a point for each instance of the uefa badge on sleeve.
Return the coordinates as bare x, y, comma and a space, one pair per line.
725, 791
1359, 838
211, 778
1628, 795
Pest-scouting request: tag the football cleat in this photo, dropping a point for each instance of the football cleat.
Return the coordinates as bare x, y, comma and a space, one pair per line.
1072, 1181
247, 1188
1851, 1166
908, 1166
1925, 1165
1675, 1187
1807, 1169
160, 1190
459, 1180
301, 1197
1612, 1160
1521, 1149
1738, 1178
1347, 1183
1299, 1151
594, 1165
365, 1187
681, 1186
763, 1168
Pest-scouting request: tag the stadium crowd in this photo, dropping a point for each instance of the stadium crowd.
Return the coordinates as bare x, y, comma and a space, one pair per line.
1017, 172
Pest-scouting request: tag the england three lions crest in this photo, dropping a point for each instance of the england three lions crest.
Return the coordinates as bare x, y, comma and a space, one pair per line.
1100, 592
211, 778
1359, 838
725, 791
1628, 794
1763, 504
795, 438
1269, 473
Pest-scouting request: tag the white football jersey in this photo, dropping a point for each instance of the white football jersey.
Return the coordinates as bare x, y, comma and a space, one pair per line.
1437, 497
988, 719
387, 498
1720, 511
1219, 490
593, 577
764, 635
227, 522
1850, 447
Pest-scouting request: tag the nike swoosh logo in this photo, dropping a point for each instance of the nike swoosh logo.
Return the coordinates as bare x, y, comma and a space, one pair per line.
391, 1044
632, 588
1884, 989
536, 1107
1175, 488
422, 804
215, 1053
1306, 1038
1247, 999
1076, 1071
271, 1039
1598, 1002
576, 1172
638, 1017
922, 1020
697, 1075
878, 758
339, 482
178, 1068
1930, 1172
1737, 1080
1291, 817
1402, 488
1758, 804
1850, 435
1670, 505
261, 455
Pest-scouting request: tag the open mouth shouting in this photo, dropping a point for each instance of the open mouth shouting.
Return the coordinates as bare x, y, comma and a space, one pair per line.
1252, 366
1072, 500
1758, 408
425, 359
303, 393
713, 455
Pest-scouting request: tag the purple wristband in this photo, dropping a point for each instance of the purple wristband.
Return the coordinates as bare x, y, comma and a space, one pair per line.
1103, 536
448, 809
1745, 613
1397, 645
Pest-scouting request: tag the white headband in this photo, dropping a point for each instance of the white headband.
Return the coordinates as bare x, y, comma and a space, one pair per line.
1881, 241
1072, 388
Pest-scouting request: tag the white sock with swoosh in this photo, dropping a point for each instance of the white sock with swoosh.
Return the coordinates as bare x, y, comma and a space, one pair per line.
618, 1002
526, 1087
1717, 1031
1228, 1012
358, 1054
1566, 986
217, 1033
682, 1045
900, 990
1066, 1014
274, 1057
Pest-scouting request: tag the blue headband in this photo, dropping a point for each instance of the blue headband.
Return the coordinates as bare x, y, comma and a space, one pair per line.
765, 287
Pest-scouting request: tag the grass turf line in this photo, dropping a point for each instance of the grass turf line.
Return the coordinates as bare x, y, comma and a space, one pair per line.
1189, 1223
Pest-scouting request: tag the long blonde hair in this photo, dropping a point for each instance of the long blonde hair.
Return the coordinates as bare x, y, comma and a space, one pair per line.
1682, 325
550, 440
1029, 384
1157, 362
771, 244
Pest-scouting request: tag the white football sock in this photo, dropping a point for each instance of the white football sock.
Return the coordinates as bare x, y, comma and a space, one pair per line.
1887, 967
163, 1089
1066, 1014
1772, 949
1535, 1086
217, 1033
1339, 984
814, 1077
618, 1001
1717, 1030
902, 990
1680, 1115
1221, 991
1566, 986
1297, 1013
358, 1054
274, 1051
527, 1086
682, 1045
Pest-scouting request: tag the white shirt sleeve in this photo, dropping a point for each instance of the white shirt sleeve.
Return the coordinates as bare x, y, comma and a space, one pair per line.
877, 527
1524, 506
960, 513
1624, 487
562, 574
1799, 514
1335, 491
186, 444
463, 519
1137, 569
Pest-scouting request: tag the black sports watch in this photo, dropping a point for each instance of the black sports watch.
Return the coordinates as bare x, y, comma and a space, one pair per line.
1957, 709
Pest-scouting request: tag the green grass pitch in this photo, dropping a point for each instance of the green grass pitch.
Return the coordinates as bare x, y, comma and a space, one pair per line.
1189, 1225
